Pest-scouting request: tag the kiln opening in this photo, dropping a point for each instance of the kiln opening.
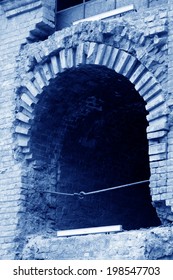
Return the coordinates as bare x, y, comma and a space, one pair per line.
89, 133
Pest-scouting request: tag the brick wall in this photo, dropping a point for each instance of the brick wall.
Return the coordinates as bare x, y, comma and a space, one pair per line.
170, 102
16, 25
21, 86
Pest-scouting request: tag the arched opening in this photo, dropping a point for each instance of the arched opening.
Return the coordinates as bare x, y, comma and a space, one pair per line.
89, 133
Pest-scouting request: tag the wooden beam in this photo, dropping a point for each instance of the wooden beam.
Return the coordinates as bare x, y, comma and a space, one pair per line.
93, 230
108, 14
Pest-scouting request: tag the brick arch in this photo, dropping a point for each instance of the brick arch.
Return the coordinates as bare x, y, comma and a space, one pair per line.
100, 54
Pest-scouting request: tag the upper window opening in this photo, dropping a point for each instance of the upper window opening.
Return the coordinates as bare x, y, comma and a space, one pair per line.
62, 5
69, 11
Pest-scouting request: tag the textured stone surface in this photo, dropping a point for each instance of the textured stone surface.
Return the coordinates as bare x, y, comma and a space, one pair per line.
147, 244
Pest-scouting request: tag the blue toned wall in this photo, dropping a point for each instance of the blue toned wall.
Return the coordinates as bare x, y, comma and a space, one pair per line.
36, 117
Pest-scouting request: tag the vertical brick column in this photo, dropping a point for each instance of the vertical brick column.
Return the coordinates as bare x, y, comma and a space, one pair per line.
170, 104
10, 191
16, 23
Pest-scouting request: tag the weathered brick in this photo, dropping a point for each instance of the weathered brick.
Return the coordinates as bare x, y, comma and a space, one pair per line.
124, 48
157, 148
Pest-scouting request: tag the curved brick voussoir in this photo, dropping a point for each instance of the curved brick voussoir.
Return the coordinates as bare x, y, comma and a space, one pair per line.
154, 90
117, 59
23, 140
22, 128
130, 66
148, 86
24, 118
40, 78
112, 58
123, 59
142, 84
80, 55
28, 99
34, 91
66, 59
92, 52
70, 57
137, 74
155, 102
55, 65
100, 54
47, 71
158, 117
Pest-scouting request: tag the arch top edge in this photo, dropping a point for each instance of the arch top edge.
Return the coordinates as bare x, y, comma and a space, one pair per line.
90, 52
120, 60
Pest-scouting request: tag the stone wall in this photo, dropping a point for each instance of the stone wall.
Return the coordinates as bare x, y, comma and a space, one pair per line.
146, 244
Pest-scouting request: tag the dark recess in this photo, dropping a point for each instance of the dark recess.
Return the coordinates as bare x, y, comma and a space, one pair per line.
96, 126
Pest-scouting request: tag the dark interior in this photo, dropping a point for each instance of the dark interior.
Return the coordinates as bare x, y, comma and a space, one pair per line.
92, 122
64, 4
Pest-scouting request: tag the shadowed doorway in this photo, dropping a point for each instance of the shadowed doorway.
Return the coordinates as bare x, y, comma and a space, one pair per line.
96, 135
